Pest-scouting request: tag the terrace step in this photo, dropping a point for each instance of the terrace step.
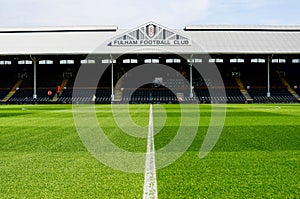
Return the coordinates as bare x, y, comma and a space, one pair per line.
243, 89
13, 91
288, 86
62, 86
118, 90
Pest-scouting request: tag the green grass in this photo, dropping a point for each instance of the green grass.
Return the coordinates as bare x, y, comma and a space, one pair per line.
257, 155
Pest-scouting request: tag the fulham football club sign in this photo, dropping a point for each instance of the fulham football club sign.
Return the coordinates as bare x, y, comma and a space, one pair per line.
151, 34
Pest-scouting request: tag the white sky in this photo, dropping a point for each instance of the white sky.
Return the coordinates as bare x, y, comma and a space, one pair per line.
132, 13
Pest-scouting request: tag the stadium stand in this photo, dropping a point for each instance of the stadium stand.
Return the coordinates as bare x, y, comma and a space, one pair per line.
50, 77
241, 54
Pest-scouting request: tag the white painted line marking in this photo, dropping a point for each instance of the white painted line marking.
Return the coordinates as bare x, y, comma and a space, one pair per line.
150, 184
264, 108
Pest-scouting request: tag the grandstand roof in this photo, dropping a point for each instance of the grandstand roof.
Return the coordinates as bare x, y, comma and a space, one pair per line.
200, 39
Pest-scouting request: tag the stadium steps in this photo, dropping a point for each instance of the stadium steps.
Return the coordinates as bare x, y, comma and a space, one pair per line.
13, 91
118, 90
62, 86
118, 95
180, 96
288, 86
243, 89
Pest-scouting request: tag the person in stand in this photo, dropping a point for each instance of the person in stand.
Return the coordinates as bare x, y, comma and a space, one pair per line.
58, 91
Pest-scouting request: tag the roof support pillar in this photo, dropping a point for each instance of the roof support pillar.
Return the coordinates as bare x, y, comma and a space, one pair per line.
112, 79
191, 77
191, 80
269, 90
34, 59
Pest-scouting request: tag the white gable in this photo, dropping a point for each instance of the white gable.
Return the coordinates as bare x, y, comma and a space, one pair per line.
151, 34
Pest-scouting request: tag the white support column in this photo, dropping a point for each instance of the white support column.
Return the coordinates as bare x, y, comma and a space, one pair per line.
34, 59
112, 80
269, 92
191, 80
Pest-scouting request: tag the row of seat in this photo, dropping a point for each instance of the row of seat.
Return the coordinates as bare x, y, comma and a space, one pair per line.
175, 83
68, 96
148, 96
231, 95
83, 95
278, 95
26, 96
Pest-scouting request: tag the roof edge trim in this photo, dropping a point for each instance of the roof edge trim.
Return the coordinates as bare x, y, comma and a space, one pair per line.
273, 28
108, 28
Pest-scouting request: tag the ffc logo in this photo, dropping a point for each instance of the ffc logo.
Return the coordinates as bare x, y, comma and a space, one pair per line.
151, 30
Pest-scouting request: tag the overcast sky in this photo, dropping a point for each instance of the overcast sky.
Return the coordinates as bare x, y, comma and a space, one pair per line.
132, 13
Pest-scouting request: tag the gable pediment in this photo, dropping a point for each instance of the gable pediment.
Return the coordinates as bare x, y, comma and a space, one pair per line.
151, 34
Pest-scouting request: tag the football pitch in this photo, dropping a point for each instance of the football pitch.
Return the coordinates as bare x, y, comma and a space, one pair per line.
256, 156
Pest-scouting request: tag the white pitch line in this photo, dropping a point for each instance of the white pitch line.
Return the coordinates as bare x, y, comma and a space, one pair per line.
150, 184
